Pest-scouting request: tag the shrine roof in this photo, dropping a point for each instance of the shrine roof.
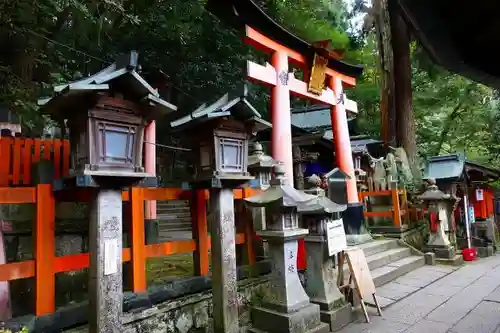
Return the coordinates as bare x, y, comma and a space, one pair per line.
121, 76
484, 170
238, 13
459, 35
455, 167
235, 105
359, 144
445, 167
315, 117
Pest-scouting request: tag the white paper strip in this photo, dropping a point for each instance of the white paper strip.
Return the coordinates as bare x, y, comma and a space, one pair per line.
110, 256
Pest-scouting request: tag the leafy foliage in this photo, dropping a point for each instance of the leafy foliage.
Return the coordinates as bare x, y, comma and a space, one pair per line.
50, 41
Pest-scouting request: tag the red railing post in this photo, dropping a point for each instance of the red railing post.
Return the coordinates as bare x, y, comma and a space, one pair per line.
138, 246
44, 241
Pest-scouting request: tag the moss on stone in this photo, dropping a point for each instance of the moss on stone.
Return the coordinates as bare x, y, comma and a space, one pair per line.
161, 269
340, 302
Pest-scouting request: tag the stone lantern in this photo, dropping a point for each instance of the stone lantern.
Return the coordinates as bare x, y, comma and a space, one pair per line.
106, 114
260, 166
219, 135
220, 144
325, 240
287, 307
440, 206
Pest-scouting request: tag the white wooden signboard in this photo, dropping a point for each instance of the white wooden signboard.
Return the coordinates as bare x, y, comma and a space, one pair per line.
479, 194
335, 235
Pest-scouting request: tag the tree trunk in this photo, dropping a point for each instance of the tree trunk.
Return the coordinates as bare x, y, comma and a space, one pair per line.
386, 65
405, 122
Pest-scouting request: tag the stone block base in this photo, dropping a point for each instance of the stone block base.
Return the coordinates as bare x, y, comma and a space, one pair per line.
485, 251
430, 258
358, 239
445, 252
455, 261
337, 318
305, 320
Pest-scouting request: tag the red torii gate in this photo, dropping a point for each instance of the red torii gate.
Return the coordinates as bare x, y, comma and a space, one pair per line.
246, 15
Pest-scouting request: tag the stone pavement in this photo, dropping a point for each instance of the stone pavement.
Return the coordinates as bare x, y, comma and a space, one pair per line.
439, 299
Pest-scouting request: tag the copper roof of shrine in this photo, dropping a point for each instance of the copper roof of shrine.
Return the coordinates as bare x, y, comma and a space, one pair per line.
121, 76
239, 13
235, 105
460, 35
454, 167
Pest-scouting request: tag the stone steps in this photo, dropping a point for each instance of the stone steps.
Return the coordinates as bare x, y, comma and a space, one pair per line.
388, 260
174, 215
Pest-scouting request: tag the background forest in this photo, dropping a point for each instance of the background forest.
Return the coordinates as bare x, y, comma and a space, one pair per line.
45, 42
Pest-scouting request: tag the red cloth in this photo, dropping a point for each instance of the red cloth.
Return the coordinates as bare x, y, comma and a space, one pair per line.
434, 221
301, 255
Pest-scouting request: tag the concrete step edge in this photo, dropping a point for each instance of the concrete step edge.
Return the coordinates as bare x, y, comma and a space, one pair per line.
390, 272
383, 258
377, 246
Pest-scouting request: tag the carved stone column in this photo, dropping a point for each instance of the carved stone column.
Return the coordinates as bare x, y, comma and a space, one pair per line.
105, 272
224, 288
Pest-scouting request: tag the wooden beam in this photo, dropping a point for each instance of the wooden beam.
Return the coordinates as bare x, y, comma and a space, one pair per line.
17, 270
17, 195
265, 75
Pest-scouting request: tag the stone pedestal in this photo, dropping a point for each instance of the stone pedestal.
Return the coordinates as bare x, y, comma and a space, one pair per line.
105, 274
322, 284
439, 242
441, 251
224, 282
354, 224
287, 308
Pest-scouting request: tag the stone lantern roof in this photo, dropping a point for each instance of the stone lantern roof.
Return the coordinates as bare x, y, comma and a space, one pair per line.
231, 104
433, 193
257, 159
121, 77
321, 203
280, 191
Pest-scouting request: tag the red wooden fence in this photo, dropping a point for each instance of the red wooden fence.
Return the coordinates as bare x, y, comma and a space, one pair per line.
46, 264
18, 154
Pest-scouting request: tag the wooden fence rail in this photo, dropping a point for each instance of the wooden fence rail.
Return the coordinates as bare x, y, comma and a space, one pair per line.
46, 264
400, 213
18, 154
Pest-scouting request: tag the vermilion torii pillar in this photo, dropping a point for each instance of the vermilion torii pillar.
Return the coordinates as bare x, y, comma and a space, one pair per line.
283, 83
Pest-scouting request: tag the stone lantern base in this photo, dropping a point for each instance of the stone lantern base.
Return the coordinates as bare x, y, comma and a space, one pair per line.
288, 309
304, 320
441, 251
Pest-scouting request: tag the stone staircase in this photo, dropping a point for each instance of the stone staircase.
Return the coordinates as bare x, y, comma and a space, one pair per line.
388, 260
175, 219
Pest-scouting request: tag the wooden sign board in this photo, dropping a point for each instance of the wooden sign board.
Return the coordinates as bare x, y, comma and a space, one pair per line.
362, 278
